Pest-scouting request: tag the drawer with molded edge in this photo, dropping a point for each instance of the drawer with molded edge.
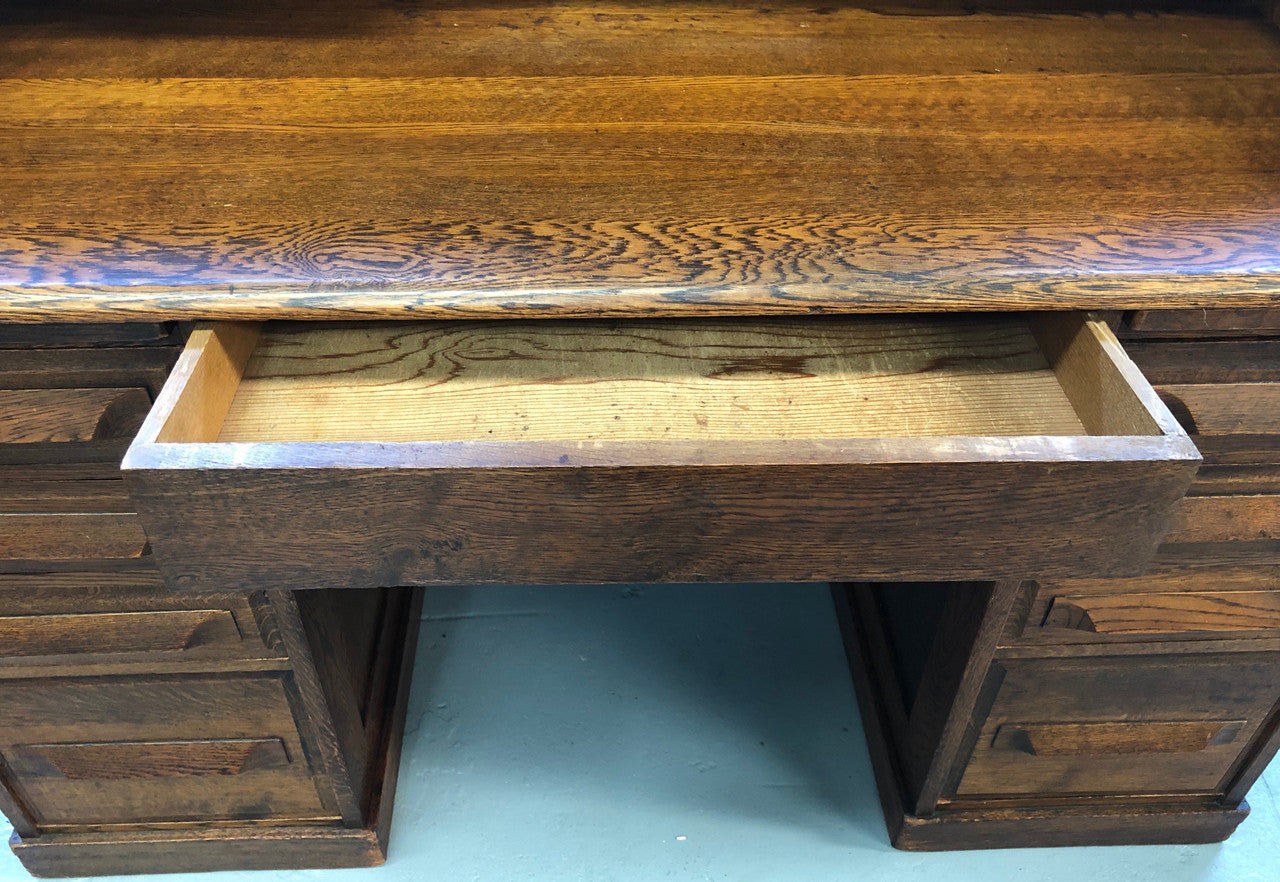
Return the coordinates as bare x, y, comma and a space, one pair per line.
1233, 608
1176, 726
61, 407
814, 449
93, 623
80, 752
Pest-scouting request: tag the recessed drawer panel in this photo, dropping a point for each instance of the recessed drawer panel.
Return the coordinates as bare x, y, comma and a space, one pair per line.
86, 334
1133, 725
120, 751
418, 453
71, 536
1225, 408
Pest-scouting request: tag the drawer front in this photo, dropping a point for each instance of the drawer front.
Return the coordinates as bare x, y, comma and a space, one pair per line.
142, 750
1227, 394
69, 520
1135, 610
71, 536
136, 632
90, 621
1113, 726
1225, 408
75, 406
1239, 518
33, 416
1257, 321
80, 335
661, 451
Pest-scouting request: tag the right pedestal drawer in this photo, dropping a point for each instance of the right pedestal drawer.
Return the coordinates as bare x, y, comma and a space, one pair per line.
1156, 725
709, 450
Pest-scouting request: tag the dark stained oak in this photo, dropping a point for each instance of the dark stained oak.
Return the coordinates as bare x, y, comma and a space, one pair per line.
146, 730
1207, 361
1103, 723
46, 722
661, 159
159, 631
1226, 519
106, 761
1112, 727
30, 416
1205, 322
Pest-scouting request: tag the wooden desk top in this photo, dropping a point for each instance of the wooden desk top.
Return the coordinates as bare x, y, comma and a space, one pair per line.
360, 158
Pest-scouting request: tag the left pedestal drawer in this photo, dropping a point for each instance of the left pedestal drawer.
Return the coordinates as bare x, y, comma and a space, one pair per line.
84, 620
128, 750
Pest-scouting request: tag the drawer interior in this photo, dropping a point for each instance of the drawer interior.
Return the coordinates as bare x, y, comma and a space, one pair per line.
691, 380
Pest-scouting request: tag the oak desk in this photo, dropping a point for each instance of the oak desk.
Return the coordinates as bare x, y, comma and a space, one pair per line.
972, 310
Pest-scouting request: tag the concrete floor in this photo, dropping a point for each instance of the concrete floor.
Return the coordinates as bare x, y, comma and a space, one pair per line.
675, 732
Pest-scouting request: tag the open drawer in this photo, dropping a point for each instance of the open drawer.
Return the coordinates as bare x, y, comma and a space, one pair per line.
872, 448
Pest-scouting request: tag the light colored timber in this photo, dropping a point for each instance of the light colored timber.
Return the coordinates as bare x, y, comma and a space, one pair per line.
212, 362
648, 381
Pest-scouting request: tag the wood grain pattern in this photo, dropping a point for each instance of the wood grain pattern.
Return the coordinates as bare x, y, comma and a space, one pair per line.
1226, 519
1206, 361
117, 852
105, 761
92, 622
1178, 613
115, 38
648, 381
167, 631
547, 162
1205, 322
71, 536
99, 367
1006, 822
29, 416
87, 334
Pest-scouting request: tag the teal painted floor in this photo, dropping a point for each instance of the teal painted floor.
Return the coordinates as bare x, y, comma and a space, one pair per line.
674, 732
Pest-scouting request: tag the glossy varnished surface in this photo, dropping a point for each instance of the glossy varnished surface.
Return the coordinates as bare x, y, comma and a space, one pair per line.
390, 158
